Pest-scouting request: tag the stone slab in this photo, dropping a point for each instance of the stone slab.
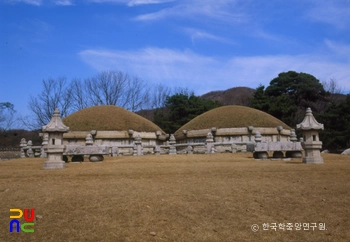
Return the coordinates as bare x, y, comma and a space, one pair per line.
86, 150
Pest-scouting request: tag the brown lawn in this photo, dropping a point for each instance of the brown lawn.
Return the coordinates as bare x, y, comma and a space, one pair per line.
180, 198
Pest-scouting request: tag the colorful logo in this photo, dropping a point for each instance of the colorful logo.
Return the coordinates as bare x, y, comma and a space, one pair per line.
27, 218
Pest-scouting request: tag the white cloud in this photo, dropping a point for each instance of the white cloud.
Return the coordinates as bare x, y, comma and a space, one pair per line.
220, 10
32, 2
197, 34
335, 13
131, 2
339, 49
203, 74
142, 2
63, 2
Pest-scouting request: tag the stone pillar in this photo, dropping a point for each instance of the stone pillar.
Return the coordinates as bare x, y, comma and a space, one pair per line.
210, 143
311, 143
55, 148
172, 142
157, 150
234, 148
44, 144
293, 153
89, 141
22, 145
250, 131
293, 136
189, 149
279, 130
114, 151
30, 151
138, 145
259, 154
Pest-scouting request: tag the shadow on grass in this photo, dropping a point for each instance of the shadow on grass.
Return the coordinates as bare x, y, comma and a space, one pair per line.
295, 162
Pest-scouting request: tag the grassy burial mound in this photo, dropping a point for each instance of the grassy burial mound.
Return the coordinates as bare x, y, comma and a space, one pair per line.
179, 198
108, 118
232, 117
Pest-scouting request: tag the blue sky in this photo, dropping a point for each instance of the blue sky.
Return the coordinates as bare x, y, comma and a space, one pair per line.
204, 45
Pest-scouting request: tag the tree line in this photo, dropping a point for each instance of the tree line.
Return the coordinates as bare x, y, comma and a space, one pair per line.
286, 97
106, 88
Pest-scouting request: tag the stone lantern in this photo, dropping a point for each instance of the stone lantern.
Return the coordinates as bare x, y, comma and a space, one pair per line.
311, 142
54, 149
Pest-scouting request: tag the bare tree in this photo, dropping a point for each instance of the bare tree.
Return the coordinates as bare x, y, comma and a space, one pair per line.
332, 86
107, 88
158, 96
136, 94
7, 116
182, 90
55, 94
79, 95
335, 91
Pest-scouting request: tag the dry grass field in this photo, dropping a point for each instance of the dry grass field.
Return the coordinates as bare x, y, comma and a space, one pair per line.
178, 198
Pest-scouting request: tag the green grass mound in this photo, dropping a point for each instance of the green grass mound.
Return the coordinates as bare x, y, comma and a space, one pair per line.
232, 117
108, 118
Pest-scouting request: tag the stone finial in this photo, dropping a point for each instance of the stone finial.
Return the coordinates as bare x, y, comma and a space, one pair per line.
172, 139
293, 136
137, 138
189, 149
55, 124
210, 137
172, 142
258, 137
309, 122
89, 140
138, 149
22, 145
250, 130
23, 142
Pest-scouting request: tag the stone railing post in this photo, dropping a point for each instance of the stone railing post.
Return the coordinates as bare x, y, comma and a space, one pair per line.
279, 130
250, 131
293, 136
189, 149
89, 141
22, 145
44, 145
30, 151
210, 143
172, 142
258, 137
138, 145
157, 150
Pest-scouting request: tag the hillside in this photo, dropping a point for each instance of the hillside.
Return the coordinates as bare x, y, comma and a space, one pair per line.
232, 96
